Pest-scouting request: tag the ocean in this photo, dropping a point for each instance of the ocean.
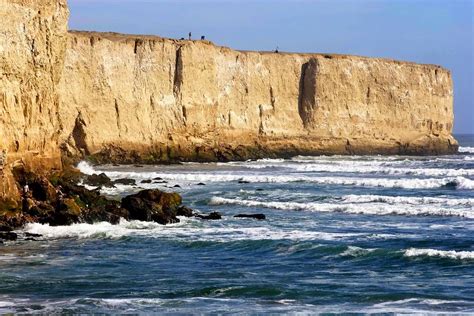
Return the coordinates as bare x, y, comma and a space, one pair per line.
369, 234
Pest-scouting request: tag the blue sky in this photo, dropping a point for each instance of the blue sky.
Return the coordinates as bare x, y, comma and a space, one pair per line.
434, 32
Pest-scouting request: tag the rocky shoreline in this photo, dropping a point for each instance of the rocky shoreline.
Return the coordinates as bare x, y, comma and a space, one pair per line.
62, 199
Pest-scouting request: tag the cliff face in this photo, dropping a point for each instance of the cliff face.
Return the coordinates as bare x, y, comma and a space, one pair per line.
32, 46
130, 98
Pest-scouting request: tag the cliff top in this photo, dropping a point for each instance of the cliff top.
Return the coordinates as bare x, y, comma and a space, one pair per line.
113, 36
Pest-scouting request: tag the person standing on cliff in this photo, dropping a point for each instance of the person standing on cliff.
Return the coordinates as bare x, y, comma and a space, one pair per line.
189, 35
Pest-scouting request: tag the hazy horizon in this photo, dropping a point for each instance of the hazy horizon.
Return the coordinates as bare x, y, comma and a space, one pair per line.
430, 32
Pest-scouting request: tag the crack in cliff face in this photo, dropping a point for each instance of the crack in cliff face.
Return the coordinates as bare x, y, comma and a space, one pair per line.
307, 102
272, 98
117, 117
178, 81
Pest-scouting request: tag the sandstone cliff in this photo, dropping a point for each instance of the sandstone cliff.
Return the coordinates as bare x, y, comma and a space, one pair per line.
142, 98
148, 98
32, 45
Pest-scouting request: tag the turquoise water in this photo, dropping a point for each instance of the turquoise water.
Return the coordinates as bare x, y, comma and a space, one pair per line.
343, 234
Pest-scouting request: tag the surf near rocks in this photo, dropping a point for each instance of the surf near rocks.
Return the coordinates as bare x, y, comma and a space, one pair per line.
60, 200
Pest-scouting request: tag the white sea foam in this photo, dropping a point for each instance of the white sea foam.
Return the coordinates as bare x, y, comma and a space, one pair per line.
469, 150
368, 209
463, 202
413, 183
188, 230
367, 167
420, 306
353, 251
460, 255
86, 168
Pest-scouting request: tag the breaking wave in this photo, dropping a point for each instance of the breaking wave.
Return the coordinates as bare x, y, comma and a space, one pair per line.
189, 230
367, 209
412, 183
451, 254
469, 150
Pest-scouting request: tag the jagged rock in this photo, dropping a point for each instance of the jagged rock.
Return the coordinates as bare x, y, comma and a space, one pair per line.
153, 205
33, 235
5, 228
125, 181
98, 180
210, 216
10, 236
255, 216
146, 181
184, 211
67, 213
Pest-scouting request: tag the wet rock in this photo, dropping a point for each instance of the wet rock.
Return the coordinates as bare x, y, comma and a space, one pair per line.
67, 213
176, 186
5, 228
243, 182
42, 189
146, 181
138, 166
254, 216
33, 235
200, 183
153, 205
125, 181
98, 180
10, 236
157, 178
160, 182
210, 216
184, 211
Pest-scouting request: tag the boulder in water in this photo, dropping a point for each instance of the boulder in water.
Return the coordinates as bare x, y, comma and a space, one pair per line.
125, 181
184, 211
98, 180
10, 236
254, 216
210, 216
153, 205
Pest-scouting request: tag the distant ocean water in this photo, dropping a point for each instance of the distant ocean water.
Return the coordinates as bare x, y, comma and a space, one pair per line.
343, 234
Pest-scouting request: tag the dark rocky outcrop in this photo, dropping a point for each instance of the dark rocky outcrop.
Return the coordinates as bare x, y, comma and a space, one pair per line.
185, 211
98, 180
153, 205
210, 216
8, 236
125, 181
59, 200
